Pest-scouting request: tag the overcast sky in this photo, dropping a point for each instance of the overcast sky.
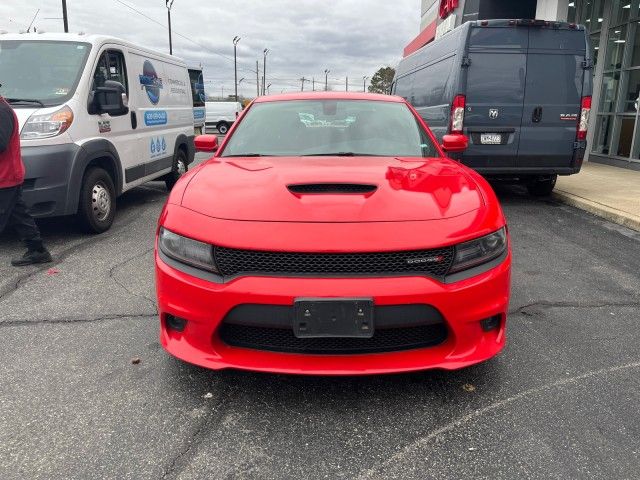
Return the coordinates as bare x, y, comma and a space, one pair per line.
349, 37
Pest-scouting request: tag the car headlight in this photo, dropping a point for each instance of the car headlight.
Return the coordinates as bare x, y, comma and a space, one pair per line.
186, 250
479, 251
47, 125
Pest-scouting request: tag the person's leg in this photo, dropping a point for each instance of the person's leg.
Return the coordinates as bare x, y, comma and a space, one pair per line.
29, 233
7, 200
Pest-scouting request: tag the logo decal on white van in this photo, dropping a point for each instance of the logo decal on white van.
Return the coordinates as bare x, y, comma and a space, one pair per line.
155, 117
569, 116
158, 147
493, 113
151, 82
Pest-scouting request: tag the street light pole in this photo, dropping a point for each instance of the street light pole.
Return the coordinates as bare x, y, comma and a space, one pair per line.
326, 80
268, 88
364, 84
169, 4
264, 70
64, 16
236, 39
257, 79
239, 84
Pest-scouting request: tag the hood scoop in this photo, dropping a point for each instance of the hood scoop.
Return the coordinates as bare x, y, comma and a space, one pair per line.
332, 188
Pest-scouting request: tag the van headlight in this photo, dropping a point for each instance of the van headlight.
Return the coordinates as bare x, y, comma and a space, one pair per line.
187, 251
47, 125
479, 251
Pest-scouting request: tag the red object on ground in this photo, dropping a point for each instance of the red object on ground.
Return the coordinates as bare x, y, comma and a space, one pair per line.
252, 321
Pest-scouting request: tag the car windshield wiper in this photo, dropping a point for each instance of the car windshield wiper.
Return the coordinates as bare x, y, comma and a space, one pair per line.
244, 155
340, 154
24, 100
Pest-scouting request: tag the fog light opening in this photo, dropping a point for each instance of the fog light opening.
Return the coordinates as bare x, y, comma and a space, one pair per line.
491, 323
175, 323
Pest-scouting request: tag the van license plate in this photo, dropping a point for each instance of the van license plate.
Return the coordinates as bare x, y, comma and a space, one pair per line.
490, 138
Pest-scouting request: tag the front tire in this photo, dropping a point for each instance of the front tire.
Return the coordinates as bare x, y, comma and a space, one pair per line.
542, 186
97, 204
179, 168
223, 127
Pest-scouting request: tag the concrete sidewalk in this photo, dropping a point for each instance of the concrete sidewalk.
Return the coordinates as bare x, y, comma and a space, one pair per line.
609, 192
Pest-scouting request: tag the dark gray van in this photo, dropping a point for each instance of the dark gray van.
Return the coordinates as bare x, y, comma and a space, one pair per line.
519, 89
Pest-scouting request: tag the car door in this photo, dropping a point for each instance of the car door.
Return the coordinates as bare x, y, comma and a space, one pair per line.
495, 81
555, 74
120, 131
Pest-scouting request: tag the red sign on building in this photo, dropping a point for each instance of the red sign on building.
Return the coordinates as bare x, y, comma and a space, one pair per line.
446, 7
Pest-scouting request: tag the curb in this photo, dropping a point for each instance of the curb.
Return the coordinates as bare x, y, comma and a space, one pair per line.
603, 211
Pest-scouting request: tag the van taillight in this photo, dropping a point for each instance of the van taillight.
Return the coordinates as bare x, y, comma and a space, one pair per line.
585, 110
457, 114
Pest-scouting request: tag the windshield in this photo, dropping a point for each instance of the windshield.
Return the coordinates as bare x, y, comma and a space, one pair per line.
330, 127
45, 71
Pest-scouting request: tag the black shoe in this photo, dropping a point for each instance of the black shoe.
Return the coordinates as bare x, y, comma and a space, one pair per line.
31, 257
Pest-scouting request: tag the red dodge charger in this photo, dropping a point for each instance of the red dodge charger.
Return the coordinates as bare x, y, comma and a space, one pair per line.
330, 235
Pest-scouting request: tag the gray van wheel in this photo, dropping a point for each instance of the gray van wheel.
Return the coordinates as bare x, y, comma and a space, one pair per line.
223, 127
179, 168
542, 186
97, 203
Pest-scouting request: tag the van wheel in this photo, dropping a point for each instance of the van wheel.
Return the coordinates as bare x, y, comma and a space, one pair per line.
179, 168
97, 206
223, 127
542, 186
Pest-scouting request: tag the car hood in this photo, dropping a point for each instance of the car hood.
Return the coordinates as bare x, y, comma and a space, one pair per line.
397, 189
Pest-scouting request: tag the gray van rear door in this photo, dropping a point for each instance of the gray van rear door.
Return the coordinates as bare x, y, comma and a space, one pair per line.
495, 82
553, 93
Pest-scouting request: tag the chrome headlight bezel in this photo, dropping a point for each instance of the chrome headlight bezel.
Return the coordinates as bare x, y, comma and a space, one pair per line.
479, 251
186, 250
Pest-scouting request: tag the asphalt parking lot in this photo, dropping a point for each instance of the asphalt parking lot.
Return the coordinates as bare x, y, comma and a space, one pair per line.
560, 402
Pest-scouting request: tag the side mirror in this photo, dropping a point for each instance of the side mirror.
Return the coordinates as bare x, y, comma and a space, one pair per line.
455, 143
111, 98
206, 143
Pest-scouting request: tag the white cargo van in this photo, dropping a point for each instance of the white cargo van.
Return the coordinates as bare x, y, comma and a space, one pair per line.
98, 116
221, 115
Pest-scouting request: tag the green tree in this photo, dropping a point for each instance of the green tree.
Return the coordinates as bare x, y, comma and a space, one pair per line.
381, 80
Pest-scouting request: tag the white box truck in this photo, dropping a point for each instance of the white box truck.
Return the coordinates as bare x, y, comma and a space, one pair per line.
98, 116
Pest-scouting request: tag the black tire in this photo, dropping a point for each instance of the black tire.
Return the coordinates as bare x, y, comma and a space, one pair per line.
542, 186
223, 127
97, 203
179, 168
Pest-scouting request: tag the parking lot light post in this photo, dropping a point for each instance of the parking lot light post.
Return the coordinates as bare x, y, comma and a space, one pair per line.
64, 16
326, 80
236, 39
239, 86
364, 84
268, 88
264, 70
169, 4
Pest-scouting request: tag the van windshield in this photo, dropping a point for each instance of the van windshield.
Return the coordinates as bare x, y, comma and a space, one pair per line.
328, 128
37, 71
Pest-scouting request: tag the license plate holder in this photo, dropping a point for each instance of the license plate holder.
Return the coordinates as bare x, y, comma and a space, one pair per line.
326, 318
490, 139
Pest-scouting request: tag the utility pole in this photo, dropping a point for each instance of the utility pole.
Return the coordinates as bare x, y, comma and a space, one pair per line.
326, 80
257, 78
239, 83
264, 70
169, 4
346, 85
303, 80
222, 92
236, 39
65, 20
313, 80
364, 84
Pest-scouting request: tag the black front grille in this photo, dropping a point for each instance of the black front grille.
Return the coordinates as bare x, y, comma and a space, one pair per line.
283, 340
310, 188
435, 262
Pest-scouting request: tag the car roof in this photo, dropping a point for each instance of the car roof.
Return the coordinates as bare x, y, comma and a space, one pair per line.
377, 97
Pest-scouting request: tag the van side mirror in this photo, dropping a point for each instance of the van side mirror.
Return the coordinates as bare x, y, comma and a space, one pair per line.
206, 143
455, 143
111, 98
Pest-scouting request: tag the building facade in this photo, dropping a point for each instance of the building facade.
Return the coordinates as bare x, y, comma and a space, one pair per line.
614, 28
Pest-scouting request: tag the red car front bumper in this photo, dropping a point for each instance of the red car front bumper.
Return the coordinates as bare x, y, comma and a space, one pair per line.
204, 305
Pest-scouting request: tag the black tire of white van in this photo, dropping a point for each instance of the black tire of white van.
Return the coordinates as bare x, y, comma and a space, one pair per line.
541, 186
179, 168
223, 128
97, 205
